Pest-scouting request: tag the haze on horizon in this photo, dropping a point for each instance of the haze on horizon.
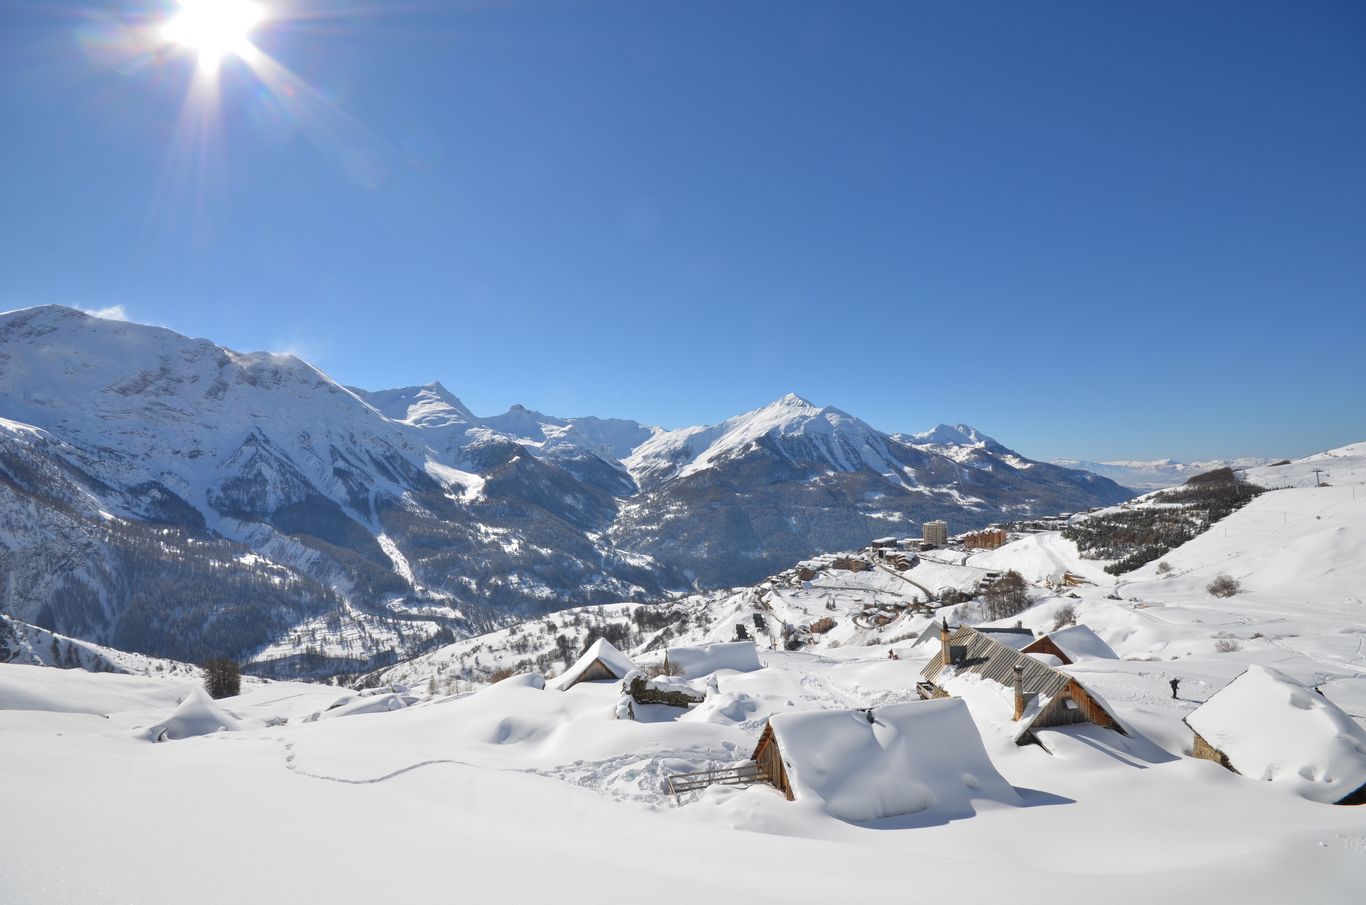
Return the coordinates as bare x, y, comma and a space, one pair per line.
1091, 230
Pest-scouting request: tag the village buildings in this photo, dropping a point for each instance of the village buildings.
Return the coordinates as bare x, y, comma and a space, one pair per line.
1043, 696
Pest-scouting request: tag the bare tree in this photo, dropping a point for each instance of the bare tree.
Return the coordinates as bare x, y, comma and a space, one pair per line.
1007, 596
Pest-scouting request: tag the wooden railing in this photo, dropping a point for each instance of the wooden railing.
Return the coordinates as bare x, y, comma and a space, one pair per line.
747, 774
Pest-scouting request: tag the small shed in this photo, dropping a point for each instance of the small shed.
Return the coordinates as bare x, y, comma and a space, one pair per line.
602, 662
883, 762
1072, 644
694, 662
1044, 696
1265, 725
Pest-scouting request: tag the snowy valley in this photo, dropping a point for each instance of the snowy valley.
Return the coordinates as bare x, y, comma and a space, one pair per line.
449, 769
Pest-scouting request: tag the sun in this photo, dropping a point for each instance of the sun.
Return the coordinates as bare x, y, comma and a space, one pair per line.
214, 29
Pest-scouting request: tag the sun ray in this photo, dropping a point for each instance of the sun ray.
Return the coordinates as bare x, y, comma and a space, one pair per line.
214, 29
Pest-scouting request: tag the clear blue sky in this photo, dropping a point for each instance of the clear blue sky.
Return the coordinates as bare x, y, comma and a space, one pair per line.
1090, 228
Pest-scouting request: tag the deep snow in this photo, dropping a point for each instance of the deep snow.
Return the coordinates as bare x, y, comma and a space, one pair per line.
516, 792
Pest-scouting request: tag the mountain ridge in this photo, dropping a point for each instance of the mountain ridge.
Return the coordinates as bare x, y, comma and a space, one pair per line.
400, 514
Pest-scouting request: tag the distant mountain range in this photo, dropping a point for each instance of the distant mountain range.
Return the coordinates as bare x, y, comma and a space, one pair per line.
1158, 473
176, 498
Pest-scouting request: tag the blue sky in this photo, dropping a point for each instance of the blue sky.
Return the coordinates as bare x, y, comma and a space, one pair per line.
1091, 229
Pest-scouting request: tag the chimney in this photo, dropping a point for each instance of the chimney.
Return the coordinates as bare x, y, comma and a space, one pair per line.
1019, 691
945, 653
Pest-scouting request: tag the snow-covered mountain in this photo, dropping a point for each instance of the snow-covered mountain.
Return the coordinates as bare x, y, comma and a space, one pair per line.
29, 645
752, 494
177, 498
1158, 474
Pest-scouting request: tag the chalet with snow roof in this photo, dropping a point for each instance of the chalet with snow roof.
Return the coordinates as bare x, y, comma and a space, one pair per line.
1071, 644
1043, 696
1265, 725
883, 762
602, 662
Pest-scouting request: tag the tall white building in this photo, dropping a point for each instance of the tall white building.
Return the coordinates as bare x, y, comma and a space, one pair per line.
936, 532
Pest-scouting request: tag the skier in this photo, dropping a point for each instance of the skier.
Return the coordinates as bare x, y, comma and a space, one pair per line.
1175, 683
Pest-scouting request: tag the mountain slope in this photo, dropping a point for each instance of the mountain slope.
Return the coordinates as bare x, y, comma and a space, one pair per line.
138, 462
743, 498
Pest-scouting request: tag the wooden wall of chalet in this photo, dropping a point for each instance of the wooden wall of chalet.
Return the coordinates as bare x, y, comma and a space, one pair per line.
1045, 645
1057, 713
597, 671
770, 761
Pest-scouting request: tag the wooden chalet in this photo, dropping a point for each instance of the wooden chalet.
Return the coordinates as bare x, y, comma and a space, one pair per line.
1044, 696
769, 758
602, 662
870, 764
1070, 645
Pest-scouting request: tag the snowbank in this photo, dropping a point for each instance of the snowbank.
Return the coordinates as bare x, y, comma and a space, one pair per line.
705, 659
380, 703
1272, 728
522, 680
198, 714
44, 688
923, 756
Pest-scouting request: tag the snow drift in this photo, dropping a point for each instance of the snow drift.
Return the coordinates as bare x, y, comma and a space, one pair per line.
705, 659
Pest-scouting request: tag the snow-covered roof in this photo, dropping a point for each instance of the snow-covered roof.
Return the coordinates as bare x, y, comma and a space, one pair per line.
1016, 637
1012, 637
600, 650
1078, 641
909, 758
705, 659
382, 703
1272, 728
198, 714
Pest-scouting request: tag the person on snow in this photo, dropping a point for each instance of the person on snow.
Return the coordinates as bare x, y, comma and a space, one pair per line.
1175, 683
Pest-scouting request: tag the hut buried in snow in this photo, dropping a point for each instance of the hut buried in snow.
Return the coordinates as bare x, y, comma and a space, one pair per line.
1267, 726
198, 714
922, 756
705, 659
600, 663
1072, 644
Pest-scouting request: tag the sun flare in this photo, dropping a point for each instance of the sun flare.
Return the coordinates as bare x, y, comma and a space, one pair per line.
214, 29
